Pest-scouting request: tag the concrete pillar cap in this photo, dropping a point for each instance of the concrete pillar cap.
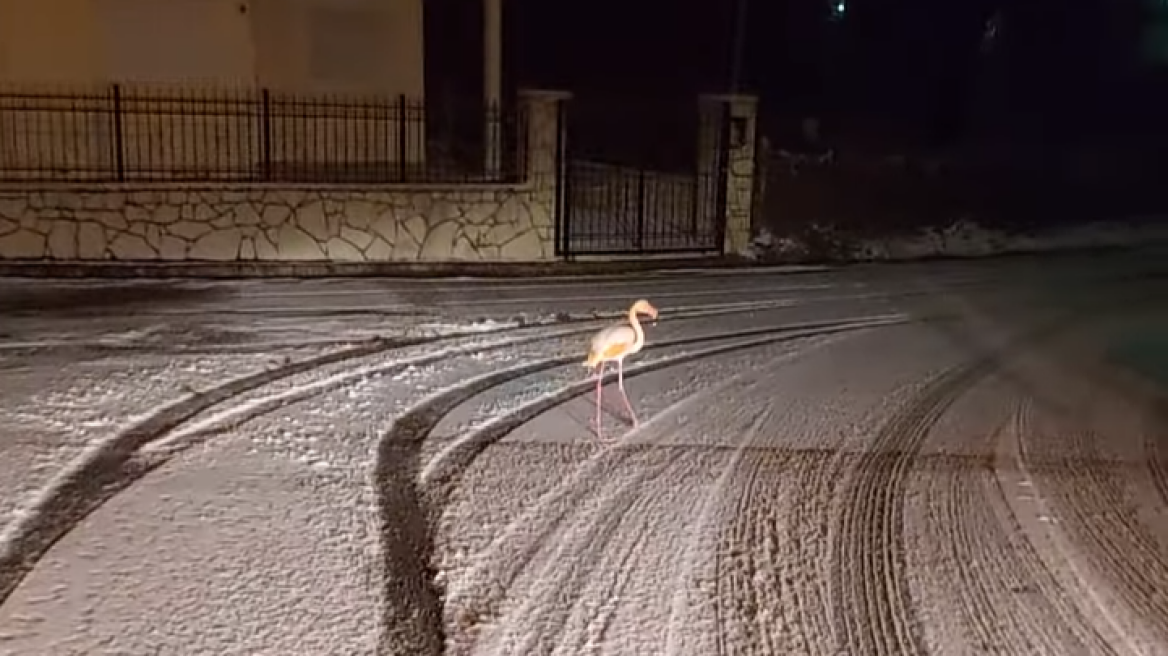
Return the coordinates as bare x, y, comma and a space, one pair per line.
547, 95
730, 98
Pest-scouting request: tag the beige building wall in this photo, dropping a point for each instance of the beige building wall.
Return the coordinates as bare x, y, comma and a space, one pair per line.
51, 42
350, 46
176, 41
363, 47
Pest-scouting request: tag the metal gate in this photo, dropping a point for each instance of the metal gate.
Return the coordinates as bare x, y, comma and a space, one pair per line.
642, 178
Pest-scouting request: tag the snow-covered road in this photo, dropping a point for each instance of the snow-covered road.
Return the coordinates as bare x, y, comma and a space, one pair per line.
946, 458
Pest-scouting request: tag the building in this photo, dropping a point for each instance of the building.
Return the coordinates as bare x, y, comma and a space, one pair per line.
295, 49
366, 46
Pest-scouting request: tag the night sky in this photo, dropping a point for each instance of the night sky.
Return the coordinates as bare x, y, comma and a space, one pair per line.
1064, 67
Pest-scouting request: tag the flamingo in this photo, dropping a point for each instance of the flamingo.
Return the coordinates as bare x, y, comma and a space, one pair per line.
615, 343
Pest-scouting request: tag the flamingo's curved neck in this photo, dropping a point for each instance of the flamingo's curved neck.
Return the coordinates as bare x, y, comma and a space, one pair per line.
640, 333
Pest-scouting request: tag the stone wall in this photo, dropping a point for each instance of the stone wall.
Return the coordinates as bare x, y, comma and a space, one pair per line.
274, 223
291, 223
742, 112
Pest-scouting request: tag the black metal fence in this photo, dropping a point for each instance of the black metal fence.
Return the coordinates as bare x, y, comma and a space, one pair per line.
132, 133
658, 135
660, 189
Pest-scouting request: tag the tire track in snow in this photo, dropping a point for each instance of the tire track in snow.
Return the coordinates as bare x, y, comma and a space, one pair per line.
445, 467
733, 477
494, 571
609, 530
740, 568
998, 565
413, 618
1081, 582
757, 606
807, 542
104, 469
1155, 432
1094, 504
558, 617
115, 463
871, 595
676, 638
870, 600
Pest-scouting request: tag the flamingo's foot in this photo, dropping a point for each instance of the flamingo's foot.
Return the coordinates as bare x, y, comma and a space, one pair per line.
598, 433
632, 417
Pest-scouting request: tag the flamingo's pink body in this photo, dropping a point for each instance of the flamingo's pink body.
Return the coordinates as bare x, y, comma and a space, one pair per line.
614, 344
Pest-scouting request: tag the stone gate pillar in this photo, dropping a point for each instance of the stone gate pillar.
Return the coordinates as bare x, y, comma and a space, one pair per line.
546, 139
727, 134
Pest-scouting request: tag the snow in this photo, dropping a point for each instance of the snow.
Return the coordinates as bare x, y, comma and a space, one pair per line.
825, 464
964, 239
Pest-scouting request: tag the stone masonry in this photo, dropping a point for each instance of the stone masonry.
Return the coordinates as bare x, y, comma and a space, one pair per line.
290, 223
274, 223
742, 111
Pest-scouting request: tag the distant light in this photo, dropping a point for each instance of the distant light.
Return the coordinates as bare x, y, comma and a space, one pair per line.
838, 9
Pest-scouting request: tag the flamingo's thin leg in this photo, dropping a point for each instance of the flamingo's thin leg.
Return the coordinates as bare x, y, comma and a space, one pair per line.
620, 378
599, 392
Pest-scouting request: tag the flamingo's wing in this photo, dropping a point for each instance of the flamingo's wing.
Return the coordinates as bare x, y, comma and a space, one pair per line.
613, 341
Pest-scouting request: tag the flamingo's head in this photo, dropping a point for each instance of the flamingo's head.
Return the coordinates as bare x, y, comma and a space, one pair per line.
645, 307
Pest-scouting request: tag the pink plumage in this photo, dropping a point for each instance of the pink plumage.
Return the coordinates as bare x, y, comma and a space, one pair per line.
614, 344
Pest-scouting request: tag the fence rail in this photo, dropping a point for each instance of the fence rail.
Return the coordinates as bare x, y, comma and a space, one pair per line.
123, 133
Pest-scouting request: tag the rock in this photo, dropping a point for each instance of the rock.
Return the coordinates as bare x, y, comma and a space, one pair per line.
221, 245
131, 247
272, 224
189, 230
296, 244
341, 250
23, 244
275, 215
379, 251
11, 209
439, 242
63, 240
359, 238
172, 248
265, 249
166, 214
385, 226
91, 241
311, 219
414, 228
360, 214
524, 246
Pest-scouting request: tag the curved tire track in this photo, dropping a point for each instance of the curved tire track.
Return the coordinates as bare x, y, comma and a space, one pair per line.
496, 568
118, 462
444, 468
99, 474
1087, 490
610, 530
997, 563
708, 529
870, 596
412, 617
557, 614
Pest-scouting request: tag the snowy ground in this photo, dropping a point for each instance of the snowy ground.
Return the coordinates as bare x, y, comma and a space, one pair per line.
963, 239
951, 458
